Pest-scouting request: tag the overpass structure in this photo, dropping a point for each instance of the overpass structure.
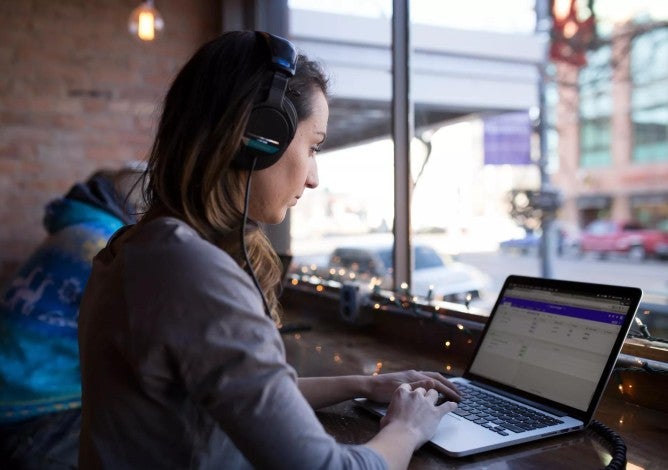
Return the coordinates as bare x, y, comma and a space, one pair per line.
454, 73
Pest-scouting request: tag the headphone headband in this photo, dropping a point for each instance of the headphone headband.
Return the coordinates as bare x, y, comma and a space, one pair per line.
283, 53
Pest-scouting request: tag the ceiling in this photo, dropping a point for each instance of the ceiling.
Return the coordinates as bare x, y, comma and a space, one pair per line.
352, 122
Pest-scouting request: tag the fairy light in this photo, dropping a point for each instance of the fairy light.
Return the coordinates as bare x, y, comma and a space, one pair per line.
402, 299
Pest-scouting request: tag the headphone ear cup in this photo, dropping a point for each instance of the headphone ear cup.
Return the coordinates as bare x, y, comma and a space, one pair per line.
268, 134
273, 120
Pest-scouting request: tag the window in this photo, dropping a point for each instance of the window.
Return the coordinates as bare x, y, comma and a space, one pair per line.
461, 205
649, 104
595, 109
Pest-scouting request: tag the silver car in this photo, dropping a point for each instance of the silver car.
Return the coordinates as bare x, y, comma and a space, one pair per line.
446, 278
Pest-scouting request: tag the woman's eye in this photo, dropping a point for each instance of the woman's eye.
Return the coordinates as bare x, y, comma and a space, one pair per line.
315, 149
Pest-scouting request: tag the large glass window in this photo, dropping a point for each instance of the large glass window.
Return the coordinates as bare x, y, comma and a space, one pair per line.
595, 83
474, 219
339, 228
352, 210
649, 74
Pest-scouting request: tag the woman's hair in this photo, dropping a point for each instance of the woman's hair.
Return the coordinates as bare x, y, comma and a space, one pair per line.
204, 115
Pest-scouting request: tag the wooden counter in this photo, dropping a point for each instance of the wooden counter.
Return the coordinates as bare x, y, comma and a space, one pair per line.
327, 346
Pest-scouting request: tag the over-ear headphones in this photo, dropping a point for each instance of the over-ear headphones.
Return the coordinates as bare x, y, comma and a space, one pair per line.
273, 119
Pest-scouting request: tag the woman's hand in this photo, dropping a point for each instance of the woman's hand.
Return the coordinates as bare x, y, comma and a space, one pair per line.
381, 387
411, 420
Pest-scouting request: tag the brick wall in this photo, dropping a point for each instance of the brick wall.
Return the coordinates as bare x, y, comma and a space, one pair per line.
77, 93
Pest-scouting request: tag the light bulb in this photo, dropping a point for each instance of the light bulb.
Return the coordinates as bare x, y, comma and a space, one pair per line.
145, 21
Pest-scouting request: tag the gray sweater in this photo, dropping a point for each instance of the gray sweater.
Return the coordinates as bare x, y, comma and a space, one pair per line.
181, 368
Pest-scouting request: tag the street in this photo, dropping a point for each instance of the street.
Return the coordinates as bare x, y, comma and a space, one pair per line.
650, 275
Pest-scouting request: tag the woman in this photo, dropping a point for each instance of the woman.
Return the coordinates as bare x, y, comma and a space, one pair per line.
181, 368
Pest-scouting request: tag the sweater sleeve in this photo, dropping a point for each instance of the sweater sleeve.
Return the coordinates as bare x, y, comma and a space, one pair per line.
214, 338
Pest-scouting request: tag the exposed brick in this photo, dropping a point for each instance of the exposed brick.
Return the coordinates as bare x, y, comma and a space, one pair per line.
78, 93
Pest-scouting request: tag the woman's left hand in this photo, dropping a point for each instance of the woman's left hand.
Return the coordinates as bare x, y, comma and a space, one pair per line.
382, 386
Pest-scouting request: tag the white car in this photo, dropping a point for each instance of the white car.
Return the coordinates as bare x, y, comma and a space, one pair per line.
450, 280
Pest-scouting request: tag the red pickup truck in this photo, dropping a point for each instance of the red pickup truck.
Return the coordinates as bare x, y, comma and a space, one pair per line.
637, 242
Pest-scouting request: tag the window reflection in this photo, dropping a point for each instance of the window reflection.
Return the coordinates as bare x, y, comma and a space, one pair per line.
649, 74
596, 108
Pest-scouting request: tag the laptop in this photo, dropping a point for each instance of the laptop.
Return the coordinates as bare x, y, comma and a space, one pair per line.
540, 367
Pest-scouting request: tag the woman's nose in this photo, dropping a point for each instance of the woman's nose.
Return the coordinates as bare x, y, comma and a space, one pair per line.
312, 177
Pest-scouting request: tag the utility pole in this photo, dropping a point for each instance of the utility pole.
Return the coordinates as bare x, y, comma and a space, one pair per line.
548, 196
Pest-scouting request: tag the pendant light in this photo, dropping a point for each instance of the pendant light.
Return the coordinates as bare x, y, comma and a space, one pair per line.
145, 21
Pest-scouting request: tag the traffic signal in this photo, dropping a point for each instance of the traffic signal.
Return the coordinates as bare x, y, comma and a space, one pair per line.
573, 30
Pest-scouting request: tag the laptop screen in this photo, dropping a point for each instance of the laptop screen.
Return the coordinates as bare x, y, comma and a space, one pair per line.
554, 339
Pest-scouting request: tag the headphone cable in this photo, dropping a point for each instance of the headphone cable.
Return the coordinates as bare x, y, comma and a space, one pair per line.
243, 238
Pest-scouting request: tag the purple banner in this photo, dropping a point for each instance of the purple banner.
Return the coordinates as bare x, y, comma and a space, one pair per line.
612, 318
507, 139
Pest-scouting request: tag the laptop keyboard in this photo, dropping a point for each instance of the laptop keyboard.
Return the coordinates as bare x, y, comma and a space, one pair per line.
497, 414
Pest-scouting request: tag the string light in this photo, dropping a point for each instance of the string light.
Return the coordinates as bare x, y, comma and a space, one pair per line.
430, 293
145, 21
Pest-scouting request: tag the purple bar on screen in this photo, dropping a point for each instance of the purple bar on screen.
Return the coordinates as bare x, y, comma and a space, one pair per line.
601, 316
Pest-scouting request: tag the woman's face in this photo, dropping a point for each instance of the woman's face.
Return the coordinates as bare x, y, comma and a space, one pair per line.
275, 189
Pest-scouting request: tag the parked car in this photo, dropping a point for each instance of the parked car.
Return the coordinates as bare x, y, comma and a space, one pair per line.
451, 280
566, 240
529, 243
605, 237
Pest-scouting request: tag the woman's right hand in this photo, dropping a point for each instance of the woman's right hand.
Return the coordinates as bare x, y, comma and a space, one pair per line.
416, 410
411, 420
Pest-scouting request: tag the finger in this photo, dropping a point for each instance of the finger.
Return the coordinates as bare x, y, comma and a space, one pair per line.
406, 387
432, 395
424, 383
420, 390
441, 379
447, 407
448, 392
448, 389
